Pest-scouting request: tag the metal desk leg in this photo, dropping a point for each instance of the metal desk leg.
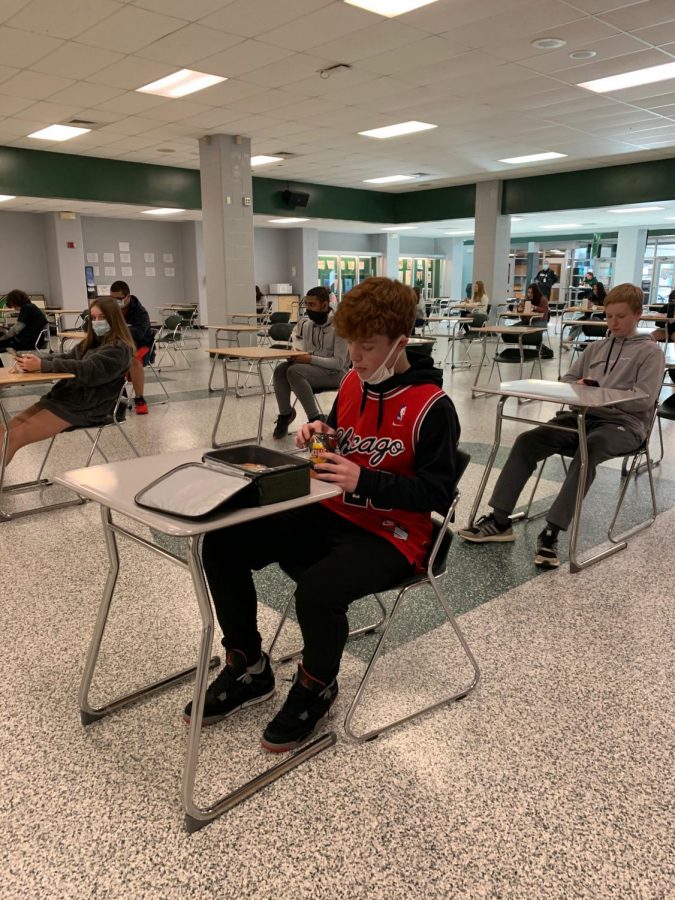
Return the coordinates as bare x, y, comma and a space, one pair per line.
214, 434
197, 817
89, 713
490, 462
480, 366
263, 393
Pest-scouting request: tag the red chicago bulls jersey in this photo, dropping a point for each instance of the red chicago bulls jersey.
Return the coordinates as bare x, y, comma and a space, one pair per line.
389, 447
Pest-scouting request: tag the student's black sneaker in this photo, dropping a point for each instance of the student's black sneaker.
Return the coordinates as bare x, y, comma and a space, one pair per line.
282, 423
487, 530
234, 688
547, 549
306, 706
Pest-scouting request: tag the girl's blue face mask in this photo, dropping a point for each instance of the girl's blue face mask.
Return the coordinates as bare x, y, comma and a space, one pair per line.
100, 327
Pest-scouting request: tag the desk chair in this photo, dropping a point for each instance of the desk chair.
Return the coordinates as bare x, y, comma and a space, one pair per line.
280, 333
628, 471
147, 355
532, 348
114, 420
436, 568
170, 338
42, 342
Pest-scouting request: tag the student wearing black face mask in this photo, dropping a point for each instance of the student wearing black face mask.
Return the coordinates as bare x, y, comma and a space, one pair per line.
321, 368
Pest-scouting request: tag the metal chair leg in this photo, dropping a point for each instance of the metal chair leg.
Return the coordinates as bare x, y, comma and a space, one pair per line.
126, 438
626, 481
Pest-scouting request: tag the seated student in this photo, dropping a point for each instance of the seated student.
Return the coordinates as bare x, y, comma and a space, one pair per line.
323, 365
597, 296
625, 360
99, 363
26, 330
420, 310
397, 434
137, 318
659, 334
538, 300
478, 304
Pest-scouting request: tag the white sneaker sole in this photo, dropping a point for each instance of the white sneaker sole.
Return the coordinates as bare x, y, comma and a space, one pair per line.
546, 562
507, 538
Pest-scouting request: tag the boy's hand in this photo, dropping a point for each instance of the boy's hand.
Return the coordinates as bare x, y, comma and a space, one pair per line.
305, 358
28, 363
338, 470
304, 434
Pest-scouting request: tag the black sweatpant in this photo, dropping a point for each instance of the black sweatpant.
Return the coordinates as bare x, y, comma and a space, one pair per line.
332, 561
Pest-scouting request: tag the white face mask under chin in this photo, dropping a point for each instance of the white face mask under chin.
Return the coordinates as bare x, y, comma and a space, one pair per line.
386, 369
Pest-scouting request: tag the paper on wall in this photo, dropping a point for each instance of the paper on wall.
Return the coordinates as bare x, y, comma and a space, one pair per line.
124, 246
127, 271
149, 257
108, 257
125, 257
109, 270
169, 272
150, 271
92, 257
167, 257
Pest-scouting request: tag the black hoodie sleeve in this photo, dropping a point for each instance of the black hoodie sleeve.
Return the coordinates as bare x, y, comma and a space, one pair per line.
432, 487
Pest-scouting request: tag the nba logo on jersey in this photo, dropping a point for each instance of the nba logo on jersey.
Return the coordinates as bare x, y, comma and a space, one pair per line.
399, 418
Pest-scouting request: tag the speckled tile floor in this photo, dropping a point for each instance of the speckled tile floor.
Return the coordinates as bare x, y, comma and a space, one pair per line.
553, 780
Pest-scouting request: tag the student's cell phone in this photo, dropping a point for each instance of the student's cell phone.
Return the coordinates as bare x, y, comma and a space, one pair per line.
591, 382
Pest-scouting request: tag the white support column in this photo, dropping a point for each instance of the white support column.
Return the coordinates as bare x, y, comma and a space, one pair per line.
194, 277
389, 245
491, 243
451, 278
227, 215
303, 257
65, 261
630, 254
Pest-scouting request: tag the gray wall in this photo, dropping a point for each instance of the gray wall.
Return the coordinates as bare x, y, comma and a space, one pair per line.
347, 242
104, 235
271, 257
23, 256
418, 246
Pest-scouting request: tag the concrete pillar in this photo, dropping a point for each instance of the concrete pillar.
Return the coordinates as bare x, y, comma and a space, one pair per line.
630, 254
303, 256
491, 243
194, 271
227, 215
451, 273
532, 261
389, 245
65, 261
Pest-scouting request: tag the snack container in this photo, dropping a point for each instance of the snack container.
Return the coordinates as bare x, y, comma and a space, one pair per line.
274, 476
319, 445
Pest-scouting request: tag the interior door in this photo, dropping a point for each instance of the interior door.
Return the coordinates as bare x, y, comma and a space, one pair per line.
664, 282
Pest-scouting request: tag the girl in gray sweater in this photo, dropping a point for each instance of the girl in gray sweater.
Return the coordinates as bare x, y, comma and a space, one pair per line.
99, 363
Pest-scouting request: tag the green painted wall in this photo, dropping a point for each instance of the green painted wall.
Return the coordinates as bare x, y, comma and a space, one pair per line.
610, 186
433, 204
325, 202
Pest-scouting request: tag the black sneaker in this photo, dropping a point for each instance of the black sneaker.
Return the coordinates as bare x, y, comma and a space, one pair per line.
306, 706
234, 688
282, 423
487, 530
547, 549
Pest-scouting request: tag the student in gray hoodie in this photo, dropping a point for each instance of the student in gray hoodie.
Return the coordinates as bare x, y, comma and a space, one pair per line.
99, 363
322, 367
624, 360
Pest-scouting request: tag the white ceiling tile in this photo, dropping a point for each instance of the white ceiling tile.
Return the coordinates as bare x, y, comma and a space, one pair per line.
81, 93
22, 49
583, 34
438, 17
336, 20
127, 102
250, 124
641, 15
596, 7
315, 86
188, 44
610, 48
48, 112
270, 101
132, 73
34, 85
614, 66
536, 19
380, 37
251, 18
364, 94
10, 129
9, 106
241, 58
76, 61
9, 8
228, 92
420, 53
176, 110
213, 119
65, 18
130, 29
658, 35
193, 10
287, 71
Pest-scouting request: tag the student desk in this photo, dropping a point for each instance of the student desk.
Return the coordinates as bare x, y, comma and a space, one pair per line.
114, 487
453, 324
233, 334
7, 381
519, 331
64, 336
582, 399
60, 314
256, 356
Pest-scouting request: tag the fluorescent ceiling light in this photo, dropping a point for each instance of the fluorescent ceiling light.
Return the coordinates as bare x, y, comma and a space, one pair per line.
630, 79
286, 221
561, 225
517, 219
58, 133
637, 209
390, 131
669, 218
389, 8
161, 211
533, 157
459, 232
4, 197
180, 84
389, 179
401, 228
264, 160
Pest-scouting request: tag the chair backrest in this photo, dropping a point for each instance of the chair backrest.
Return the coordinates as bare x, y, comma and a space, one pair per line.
479, 319
280, 331
42, 340
277, 317
441, 533
594, 331
173, 322
38, 300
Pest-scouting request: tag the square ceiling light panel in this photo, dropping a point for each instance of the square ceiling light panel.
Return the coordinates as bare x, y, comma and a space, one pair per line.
180, 84
401, 128
390, 8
